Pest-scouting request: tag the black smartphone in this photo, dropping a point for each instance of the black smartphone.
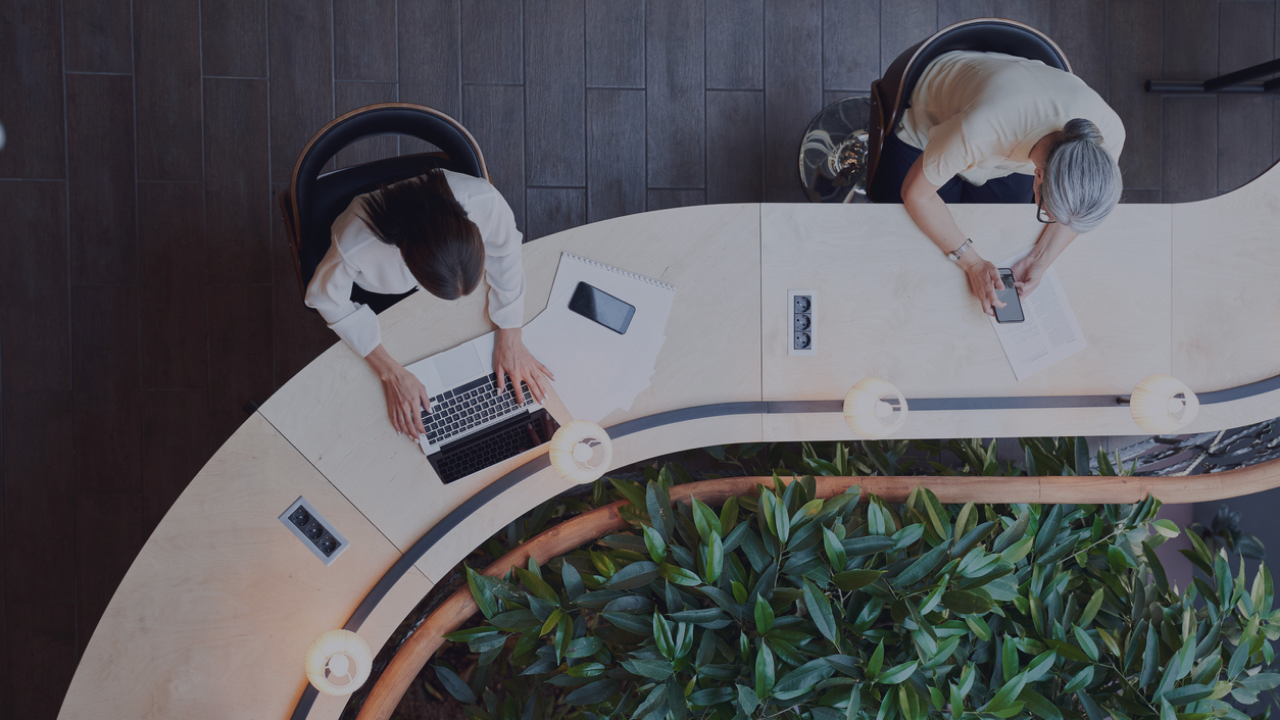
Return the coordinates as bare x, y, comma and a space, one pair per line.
595, 304
1012, 311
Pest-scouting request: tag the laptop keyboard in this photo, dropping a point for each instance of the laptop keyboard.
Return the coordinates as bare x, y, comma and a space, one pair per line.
463, 408
494, 445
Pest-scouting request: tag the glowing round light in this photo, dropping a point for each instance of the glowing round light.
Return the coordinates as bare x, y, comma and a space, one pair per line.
338, 662
874, 408
1163, 403
581, 451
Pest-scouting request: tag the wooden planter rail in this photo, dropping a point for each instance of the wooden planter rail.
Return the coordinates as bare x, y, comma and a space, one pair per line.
417, 650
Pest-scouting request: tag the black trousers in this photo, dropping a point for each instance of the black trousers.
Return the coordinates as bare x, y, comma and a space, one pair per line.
897, 157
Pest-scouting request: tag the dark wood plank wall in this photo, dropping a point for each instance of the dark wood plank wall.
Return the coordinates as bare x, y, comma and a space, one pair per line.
146, 292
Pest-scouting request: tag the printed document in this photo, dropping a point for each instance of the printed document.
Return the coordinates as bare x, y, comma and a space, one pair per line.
1050, 333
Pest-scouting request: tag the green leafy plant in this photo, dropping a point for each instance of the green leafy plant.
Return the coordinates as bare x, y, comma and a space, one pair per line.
783, 604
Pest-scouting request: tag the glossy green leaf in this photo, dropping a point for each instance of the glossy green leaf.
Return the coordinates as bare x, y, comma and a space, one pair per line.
820, 610
1091, 609
876, 661
764, 616
635, 575
654, 543
764, 671
705, 521
855, 579
1086, 643
964, 602
898, 673
653, 669
591, 693
454, 684
802, 679
1080, 680
835, 551
482, 592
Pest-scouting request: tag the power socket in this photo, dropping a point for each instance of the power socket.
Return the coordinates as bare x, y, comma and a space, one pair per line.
800, 341
314, 531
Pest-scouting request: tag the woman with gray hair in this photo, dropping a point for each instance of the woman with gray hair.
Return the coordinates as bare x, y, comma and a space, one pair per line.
994, 128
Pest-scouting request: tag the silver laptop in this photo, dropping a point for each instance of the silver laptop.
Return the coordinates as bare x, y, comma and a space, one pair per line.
471, 425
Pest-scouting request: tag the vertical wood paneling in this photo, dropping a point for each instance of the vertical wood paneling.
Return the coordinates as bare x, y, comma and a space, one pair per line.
175, 445
429, 66
104, 333
1247, 38
233, 38
39, 495
167, 53
904, 23
735, 44
1135, 55
1191, 35
35, 351
1135, 196
676, 107
793, 83
665, 199
298, 334
237, 192
495, 116
108, 537
554, 209
492, 41
363, 31
1080, 29
31, 79
1190, 163
555, 128
104, 228
41, 656
615, 43
173, 344
615, 153
850, 44
1036, 13
351, 95
953, 11
98, 35
735, 157
239, 355
301, 78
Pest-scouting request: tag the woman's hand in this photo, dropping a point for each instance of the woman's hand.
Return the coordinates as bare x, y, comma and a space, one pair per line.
984, 281
511, 358
406, 396
1027, 273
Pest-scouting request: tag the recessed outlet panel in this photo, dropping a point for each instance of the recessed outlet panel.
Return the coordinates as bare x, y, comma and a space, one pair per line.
314, 531
800, 307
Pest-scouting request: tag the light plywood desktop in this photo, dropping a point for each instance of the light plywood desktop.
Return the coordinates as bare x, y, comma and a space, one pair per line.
214, 616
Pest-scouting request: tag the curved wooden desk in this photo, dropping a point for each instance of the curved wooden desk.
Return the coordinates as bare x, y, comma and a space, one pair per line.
214, 616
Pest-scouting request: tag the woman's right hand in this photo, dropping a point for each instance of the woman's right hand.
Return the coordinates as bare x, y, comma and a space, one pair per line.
406, 396
984, 281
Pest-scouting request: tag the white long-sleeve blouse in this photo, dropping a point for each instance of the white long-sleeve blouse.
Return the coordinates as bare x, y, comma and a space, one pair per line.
356, 255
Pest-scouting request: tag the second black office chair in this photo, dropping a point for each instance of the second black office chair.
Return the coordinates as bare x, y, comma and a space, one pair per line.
891, 94
315, 198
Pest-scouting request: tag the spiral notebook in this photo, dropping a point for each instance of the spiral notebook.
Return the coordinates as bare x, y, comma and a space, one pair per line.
598, 370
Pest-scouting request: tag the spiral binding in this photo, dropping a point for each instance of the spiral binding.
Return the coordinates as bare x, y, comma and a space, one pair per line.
620, 271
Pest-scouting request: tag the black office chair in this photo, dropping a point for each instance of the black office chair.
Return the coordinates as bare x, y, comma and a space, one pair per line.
314, 199
891, 94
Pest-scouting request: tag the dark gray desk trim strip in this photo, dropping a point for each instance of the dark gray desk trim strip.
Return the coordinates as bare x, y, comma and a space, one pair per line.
515, 477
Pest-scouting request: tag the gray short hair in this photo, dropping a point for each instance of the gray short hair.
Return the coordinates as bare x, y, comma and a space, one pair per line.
1081, 180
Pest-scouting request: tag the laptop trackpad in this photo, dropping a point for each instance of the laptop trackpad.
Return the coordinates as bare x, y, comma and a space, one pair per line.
459, 366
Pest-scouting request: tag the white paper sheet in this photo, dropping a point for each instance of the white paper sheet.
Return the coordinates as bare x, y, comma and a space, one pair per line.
598, 370
1050, 333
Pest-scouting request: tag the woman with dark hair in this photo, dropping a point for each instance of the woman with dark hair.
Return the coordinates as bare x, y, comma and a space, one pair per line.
441, 232
994, 128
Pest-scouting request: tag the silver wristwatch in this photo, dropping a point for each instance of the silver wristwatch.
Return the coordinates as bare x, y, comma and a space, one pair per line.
959, 252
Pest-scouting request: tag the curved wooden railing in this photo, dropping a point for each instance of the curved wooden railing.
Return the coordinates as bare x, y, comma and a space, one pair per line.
417, 650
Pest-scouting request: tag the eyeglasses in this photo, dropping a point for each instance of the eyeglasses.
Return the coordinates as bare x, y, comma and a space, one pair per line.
1040, 214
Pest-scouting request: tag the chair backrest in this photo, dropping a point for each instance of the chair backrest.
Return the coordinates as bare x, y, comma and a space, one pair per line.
314, 198
892, 93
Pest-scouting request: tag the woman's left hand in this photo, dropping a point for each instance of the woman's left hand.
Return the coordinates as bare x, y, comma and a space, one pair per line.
512, 359
1026, 275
